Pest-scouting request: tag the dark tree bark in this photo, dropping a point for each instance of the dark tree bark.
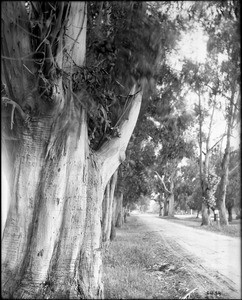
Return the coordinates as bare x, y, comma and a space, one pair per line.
230, 209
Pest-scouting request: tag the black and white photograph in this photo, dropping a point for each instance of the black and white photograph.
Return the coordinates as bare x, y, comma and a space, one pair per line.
120, 150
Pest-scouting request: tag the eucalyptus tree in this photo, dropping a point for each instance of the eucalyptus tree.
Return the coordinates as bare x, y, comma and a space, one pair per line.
225, 39
205, 82
188, 193
73, 75
233, 191
158, 145
221, 21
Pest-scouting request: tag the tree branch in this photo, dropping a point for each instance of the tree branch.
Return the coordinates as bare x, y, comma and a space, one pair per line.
112, 152
233, 170
75, 35
6, 101
210, 129
162, 180
217, 141
187, 295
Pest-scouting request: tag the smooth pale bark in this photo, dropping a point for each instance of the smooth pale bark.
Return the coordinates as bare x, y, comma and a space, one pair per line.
107, 208
204, 169
166, 206
171, 205
161, 208
171, 196
223, 185
113, 221
51, 243
233, 104
5, 192
169, 200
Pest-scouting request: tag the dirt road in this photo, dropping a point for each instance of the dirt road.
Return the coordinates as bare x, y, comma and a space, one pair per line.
210, 256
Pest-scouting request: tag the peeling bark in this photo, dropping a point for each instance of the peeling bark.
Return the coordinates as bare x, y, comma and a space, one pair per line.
52, 239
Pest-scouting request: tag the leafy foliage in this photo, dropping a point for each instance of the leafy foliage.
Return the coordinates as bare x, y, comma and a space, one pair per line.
187, 186
124, 48
124, 42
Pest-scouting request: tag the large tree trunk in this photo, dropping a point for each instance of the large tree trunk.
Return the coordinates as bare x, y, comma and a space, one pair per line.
51, 244
203, 170
161, 208
226, 158
107, 208
224, 178
205, 215
113, 221
171, 196
119, 217
166, 206
52, 239
230, 210
171, 205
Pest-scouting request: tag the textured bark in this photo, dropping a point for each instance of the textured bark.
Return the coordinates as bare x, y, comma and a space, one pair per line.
205, 215
52, 239
51, 243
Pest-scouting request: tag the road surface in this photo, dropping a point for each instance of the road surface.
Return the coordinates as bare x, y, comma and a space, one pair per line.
212, 256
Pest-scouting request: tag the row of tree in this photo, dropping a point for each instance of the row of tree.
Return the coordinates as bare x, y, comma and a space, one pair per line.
215, 88
74, 75
75, 78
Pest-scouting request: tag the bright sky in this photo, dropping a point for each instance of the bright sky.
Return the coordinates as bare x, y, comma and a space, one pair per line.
193, 46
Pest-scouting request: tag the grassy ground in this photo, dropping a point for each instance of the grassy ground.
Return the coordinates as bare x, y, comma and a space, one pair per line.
136, 266
128, 265
233, 229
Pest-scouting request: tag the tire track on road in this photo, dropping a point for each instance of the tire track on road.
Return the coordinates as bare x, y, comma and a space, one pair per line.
204, 278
